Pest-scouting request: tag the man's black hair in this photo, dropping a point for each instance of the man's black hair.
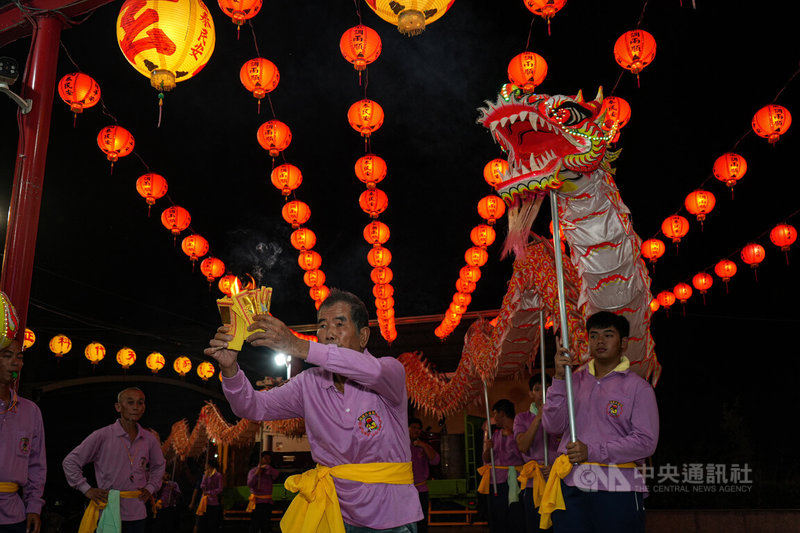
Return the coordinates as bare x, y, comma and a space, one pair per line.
607, 319
265, 452
537, 378
414, 421
505, 406
358, 311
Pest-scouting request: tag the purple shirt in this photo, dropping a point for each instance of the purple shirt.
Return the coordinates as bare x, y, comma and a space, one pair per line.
616, 417
169, 494
368, 423
22, 460
260, 483
536, 452
419, 463
212, 487
506, 453
118, 464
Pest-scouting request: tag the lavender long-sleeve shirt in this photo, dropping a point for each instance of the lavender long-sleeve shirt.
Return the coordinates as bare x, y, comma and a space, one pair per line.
22, 460
118, 464
616, 417
536, 452
420, 464
506, 453
260, 482
212, 487
368, 423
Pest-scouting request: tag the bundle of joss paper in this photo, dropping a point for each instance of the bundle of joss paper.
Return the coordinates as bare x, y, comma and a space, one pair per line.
239, 310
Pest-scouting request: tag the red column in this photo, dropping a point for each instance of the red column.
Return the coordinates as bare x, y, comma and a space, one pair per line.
38, 84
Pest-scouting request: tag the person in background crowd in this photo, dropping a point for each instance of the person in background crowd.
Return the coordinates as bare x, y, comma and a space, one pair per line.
260, 479
209, 510
422, 457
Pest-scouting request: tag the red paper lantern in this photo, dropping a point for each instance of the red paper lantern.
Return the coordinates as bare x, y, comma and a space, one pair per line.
240, 10
370, 169
296, 213
665, 299
115, 142
151, 187
384, 303
725, 269
675, 227
79, 91
365, 116
274, 136
309, 260
783, 235
652, 249
771, 122
753, 254
545, 8
527, 71
491, 208
494, 171
212, 268
634, 50
467, 287
654, 305
195, 246
470, 274
314, 278
286, 178
618, 113
376, 232
303, 239
381, 275
730, 168
461, 298
176, 219
379, 256
476, 256
702, 281
383, 290
482, 235
360, 46
259, 76
227, 283
700, 203
682, 292
373, 202
318, 294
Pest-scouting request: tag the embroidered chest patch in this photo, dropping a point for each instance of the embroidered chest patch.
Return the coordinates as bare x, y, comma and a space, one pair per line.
614, 408
370, 423
24, 446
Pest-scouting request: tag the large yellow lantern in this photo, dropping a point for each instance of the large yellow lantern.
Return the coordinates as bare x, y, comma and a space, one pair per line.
166, 40
126, 357
411, 16
182, 365
205, 370
29, 339
155, 362
60, 344
95, 352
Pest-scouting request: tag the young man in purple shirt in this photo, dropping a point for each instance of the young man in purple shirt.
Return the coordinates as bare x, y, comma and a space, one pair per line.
260, 479
22, 453
126, 458
210, 507
616, 420
355, 411
423, 456
168, 515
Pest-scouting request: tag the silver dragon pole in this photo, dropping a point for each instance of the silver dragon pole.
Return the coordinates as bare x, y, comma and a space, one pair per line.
562, 310
542, 362
489, 432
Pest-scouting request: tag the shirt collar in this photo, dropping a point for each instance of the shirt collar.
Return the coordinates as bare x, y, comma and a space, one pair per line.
624, 364
120, 431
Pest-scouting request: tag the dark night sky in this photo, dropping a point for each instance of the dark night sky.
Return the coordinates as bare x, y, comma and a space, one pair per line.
105, 271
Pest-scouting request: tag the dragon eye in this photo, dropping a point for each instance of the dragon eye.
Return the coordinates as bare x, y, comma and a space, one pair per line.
569, 114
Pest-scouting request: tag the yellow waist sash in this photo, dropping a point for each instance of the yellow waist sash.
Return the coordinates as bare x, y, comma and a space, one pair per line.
486, 478
202, 505
92, 513
251, 501
533, 470
316, 507
553, 498
8, 486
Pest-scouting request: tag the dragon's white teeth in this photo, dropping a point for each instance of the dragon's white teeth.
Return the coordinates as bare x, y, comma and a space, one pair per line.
532, 119
523, 115
513, 118
493, 125
503, 121
523, 169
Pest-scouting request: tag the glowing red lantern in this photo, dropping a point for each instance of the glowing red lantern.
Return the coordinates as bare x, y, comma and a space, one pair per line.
151, 187
227, 283
725, 269
383, 290
303, 239
314, 278
360, 46
682, 292
240, 10
654, 305
545, 9
665, 299
379, 256
700, 203
771, 122
373, 202
365, 116
79, 91
783, 235
467, 287
491, 208
675, 227
634, 50
286, 178
296, 213
259, 76
494, 171
476, 256
195, 246
461, 298
376, 232
652, 249
702, 281
381, 275
115, 142
384, 303
370, 169
318, 294
482, 235
752, 254
527, 70
470, 274
274, 136
176, 219
212, 268
730, 168
618, 113
309, 260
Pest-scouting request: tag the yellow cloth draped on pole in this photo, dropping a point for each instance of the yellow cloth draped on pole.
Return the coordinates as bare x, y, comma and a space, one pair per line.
8, 486
316, 507
92, 513
253, 500
486, 477
202, 505
532, 470
553, 498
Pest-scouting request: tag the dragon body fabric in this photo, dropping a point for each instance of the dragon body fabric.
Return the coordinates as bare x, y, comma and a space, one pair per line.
553, 143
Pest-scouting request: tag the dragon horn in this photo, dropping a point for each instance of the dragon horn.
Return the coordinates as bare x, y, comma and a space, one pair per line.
599, 97
579, 96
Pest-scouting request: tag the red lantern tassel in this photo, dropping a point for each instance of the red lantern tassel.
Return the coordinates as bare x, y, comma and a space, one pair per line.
160, 107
